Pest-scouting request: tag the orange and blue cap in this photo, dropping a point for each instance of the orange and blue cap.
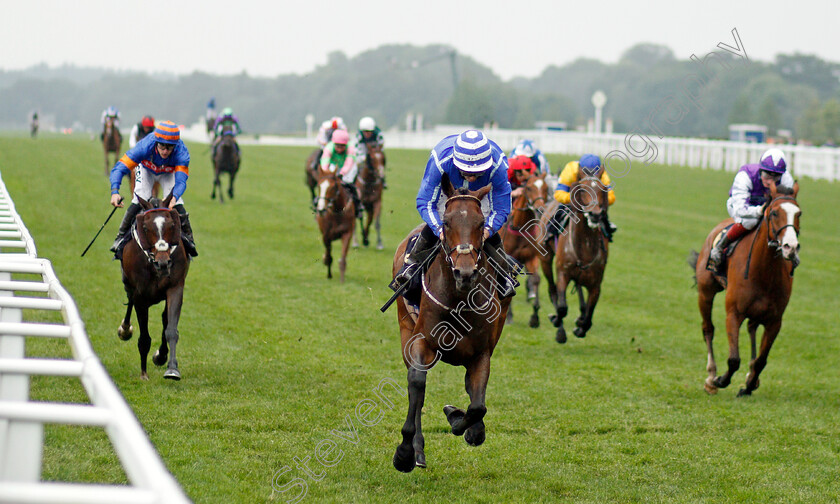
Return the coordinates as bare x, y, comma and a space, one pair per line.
167, 132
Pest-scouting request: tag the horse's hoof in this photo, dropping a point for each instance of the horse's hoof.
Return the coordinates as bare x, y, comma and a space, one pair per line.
123, 334
509, 319
757, 380
453, 414
534, 321
379, 246
710, 387
365, 242
144, 376
553, 320
172, 374
420, 459
744, 392
561, 336
475, 434
404, 459
158, 358
579, 332
718, 382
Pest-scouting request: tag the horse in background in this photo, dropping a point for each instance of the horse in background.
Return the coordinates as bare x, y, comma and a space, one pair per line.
520, 236
111, 142
311, 172
154, 269
336, 216
459, 321
210, 123
758, 283
226, 159
370, 188
580, 254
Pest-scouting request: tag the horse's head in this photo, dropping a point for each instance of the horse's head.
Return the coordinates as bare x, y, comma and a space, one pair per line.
158, 233
533, 196
589, 196
782, 215
328, 189
463, 233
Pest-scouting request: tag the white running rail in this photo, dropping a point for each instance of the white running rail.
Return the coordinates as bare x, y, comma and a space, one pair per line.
22, 421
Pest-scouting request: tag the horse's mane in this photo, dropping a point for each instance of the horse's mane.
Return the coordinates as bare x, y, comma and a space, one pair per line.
461, 192
787, 191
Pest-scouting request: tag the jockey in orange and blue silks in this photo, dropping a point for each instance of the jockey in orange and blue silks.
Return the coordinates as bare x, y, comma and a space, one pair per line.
747, 197
471, 161
589, 164
163, 158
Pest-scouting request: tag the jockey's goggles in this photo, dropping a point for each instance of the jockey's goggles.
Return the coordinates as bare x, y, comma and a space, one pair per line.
165, 146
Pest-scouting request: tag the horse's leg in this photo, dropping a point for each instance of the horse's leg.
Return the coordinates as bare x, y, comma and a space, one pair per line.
345, 247
215, 180
232, 177
475, 381
162, 353
328, 256
533, 284
124, 331
405, 458
174, 300
706, 302
771, 330
145, 341
733, 326
366, 225
585, 323
562, 307
546, 264
377, 211
419, 442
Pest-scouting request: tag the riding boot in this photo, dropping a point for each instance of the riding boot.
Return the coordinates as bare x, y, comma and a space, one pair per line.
357, 202
608, 228
128, 219
502, 263
423, 247
186, 231
556, 226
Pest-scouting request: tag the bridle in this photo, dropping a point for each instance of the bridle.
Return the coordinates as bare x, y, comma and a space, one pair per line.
462, 248
149, 249
329, 203
773, 234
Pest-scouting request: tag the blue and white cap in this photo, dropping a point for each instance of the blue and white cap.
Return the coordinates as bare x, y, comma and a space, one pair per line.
525, 148
773, 161
472, 152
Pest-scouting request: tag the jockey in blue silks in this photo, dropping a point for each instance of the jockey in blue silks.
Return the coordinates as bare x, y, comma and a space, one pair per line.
471, 161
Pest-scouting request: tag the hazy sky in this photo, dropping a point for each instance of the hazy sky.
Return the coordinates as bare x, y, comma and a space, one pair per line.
514, 38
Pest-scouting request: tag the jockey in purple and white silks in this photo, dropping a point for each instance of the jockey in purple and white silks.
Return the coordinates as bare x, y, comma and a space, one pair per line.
471, 161
160, 157
747, 197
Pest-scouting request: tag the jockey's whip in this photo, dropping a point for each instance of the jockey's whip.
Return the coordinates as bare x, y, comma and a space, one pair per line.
100, 229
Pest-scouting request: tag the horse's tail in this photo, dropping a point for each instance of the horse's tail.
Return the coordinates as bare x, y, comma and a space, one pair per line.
693, 257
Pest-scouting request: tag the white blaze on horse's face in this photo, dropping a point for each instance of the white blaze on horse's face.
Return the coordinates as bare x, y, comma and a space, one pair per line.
789, 241
539, 183
322, 194
161, 245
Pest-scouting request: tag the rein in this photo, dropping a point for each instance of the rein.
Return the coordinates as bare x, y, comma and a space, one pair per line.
773, 242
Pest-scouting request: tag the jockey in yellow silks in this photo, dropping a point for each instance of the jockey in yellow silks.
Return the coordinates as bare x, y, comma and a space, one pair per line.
590, 164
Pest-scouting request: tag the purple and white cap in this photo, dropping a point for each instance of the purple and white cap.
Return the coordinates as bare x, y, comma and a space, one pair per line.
472, 152
773, 161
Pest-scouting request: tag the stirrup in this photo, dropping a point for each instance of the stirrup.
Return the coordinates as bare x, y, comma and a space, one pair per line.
405, 273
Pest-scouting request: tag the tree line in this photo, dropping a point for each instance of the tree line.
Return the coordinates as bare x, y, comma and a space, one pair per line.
796, 92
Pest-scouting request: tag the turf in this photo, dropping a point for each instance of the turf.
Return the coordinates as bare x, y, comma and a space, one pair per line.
276, 358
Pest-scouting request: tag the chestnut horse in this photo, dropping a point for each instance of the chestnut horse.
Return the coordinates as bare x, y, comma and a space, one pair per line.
336, 218
111, 142
759, 275
369, 183
225, 160
459, 321
580, 253
154, 268
520, 237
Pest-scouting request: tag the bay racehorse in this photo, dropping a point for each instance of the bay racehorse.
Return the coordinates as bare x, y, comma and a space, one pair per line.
520, 236
369, 184
154, 268
335, 214
111, 142
210, 123
580, 253
758, 283
311, 172
459, 321
226, 159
